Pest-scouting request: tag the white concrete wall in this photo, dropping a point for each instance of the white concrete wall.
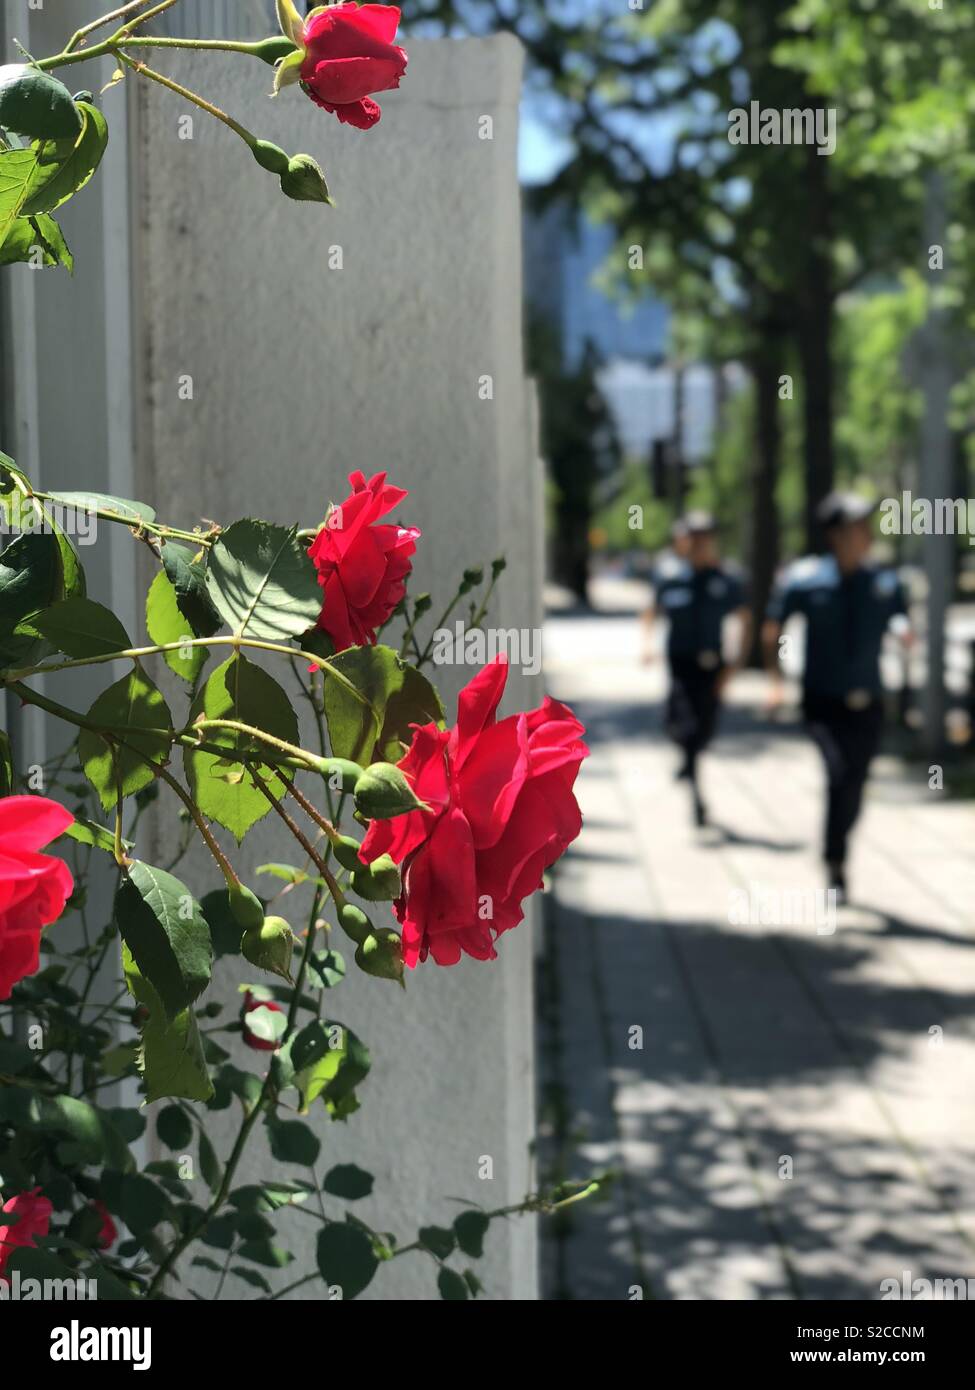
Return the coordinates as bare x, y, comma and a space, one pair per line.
302, 374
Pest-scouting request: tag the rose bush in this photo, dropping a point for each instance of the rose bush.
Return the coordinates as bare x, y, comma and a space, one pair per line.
459, 825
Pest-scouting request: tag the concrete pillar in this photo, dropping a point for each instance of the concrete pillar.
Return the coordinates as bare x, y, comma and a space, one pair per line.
302, 373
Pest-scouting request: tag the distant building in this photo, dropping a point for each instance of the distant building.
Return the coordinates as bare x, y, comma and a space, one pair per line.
564, 255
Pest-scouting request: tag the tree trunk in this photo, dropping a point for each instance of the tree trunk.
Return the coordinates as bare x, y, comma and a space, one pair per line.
815, 348
764, 540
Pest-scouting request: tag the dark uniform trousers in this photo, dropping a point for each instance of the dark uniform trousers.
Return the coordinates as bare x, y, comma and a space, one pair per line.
692, 707
847, 739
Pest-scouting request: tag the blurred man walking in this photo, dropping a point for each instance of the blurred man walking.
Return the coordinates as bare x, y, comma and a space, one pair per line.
849, 602
696, 594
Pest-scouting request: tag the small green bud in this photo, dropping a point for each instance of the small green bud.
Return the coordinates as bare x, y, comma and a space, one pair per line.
269, 946
245, 907
498, 566
346, 851
378, 882
304, 181
422, 605
383, 792
472, 578
271, 157
354, 922
381, 955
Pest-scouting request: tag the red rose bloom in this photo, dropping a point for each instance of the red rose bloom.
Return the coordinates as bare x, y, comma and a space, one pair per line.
108, 1234
502, 810
33, 887
349, 52
34, 1219
251, 1039
362, 567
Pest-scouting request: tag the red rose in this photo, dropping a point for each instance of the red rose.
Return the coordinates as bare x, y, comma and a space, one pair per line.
34, 1219
502, 811
251, 1039
362, 567
349, 52
33, 887
108, 1234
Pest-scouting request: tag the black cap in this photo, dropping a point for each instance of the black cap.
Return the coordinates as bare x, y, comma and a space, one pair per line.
843, 508
700, 523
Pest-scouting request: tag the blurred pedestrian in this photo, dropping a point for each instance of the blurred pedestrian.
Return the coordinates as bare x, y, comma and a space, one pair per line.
695, 592
849, 601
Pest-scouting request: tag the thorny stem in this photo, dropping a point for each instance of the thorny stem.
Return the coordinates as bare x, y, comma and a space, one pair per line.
223, 863
136, 653
302, 839
137, 65
249, 1121
121, 13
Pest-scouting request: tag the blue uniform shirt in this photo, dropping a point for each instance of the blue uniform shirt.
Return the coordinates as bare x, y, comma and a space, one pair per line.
695, 603
846, 618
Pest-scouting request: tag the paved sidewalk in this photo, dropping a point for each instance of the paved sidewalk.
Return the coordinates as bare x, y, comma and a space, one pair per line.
847, 1060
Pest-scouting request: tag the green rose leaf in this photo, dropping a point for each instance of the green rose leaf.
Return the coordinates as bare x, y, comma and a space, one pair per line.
348, 1181
270, 1025
35, 104
63, 168
346, 1258
87, 832
170, 1060
119, 507
31, 579
398, 695
136, 710
262, 582
240, 691
224, 927
166, 624
86, 1133
165, 931
188, 578
28, 236
328, 1060
79, 627
174, 1128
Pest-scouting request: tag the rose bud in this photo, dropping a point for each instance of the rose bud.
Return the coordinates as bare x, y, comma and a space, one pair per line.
342, 54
